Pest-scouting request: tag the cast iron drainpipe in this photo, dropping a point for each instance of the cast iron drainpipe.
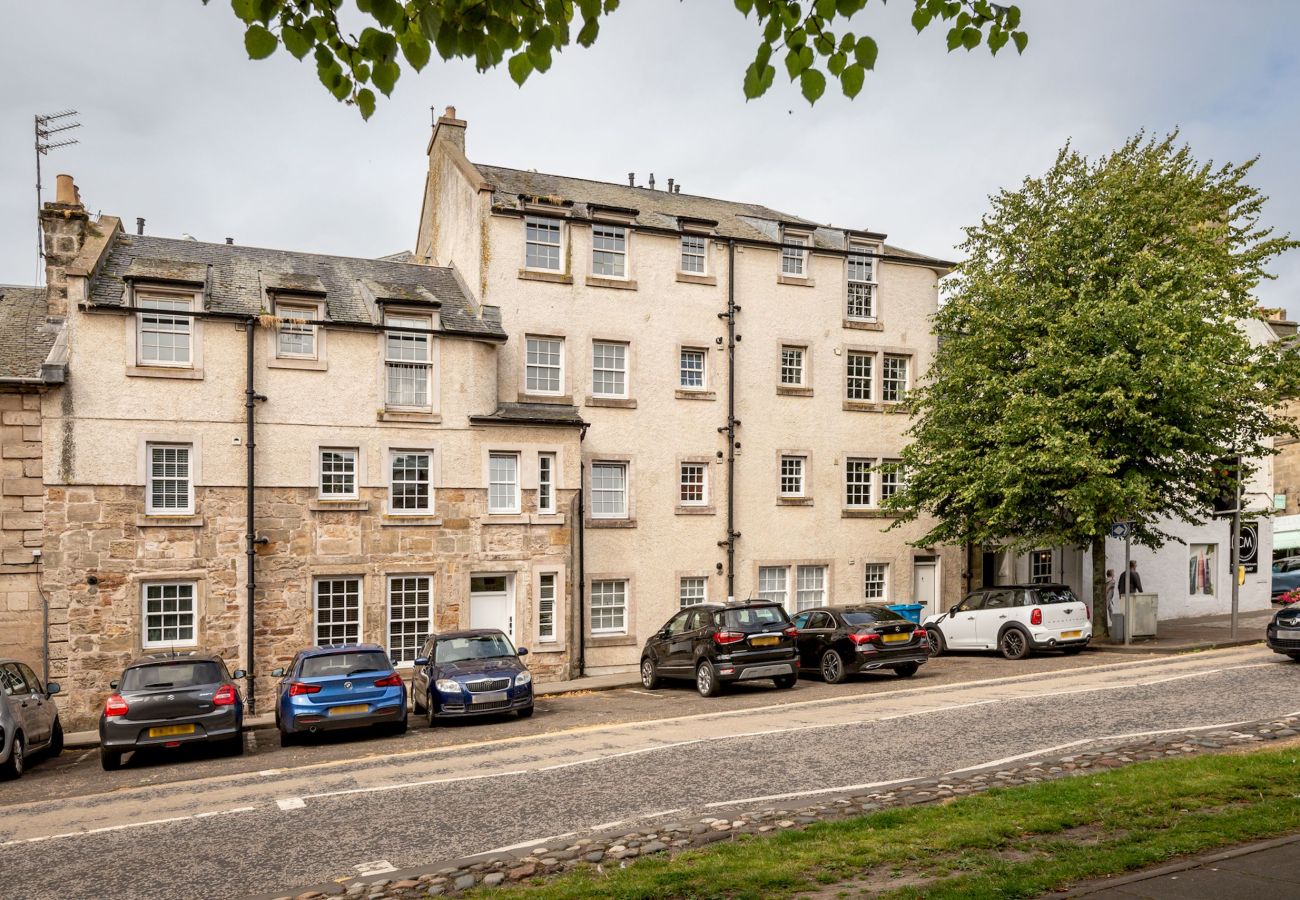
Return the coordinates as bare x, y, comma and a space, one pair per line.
250, 536
730, 428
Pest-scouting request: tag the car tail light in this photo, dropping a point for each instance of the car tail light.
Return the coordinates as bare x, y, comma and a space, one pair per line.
393, 680
115, 706
869, 637
225, 696
921, 633
1036, 617
728, 637
297, 688
1087, 611
790, 631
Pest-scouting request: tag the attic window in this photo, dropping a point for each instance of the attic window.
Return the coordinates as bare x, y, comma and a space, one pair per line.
543, 243
794, 255
163, 339
296, 337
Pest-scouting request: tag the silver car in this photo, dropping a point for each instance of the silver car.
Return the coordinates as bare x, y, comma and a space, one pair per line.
29, 720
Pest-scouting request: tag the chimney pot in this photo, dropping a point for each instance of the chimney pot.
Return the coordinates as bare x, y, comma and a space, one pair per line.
230, 240
652, 181
139, 225
451, 112
65, 190
670, 185
631, 179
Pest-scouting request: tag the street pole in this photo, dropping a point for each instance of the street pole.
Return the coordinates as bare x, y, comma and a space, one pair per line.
1128, 590
1235, 547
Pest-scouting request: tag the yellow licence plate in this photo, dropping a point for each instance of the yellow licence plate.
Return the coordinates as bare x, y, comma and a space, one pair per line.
769, 640
1071, 634
891, 638
348, 710
169, 730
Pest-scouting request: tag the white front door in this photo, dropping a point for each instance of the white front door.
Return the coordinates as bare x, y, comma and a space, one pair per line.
491, 603
924, 580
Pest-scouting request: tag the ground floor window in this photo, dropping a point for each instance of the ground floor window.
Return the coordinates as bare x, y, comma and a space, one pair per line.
338, 611
170, 615
1040, 566
692, 590
876, 576
811, 587
546, 590
773, 584
609, 607
409, 603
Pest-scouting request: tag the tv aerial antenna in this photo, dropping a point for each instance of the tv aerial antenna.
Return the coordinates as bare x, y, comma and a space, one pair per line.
47, 126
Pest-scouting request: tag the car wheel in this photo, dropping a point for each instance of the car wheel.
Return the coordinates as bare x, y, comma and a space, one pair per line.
937, 643
56, 739
1014, 644
236, 746
400, 726
526, 712
1295, 656
17, 761
706, 680
649, 677
832, 667
288, 738
785, 682
110, 760
429, 711
906, 670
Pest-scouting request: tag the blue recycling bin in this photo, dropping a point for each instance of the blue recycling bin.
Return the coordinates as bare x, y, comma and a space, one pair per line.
910, 611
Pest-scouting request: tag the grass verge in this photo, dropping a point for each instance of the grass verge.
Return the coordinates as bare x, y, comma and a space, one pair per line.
1012, 842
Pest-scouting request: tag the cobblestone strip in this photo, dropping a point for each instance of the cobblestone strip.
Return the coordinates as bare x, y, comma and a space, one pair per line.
687, 832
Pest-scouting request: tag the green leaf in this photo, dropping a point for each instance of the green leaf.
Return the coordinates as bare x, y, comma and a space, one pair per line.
970, 38
836, 63
259, 42
415, 47
920, 19
866, 52
954, 39
825, 8
1021, 40
744, 6
753, 81
520, 68
587, 36
297, 41
851, 80
244, 9
825, 44
539, 56
385, 76
772, 30
366, 102
763, 56
794, 63
813, 85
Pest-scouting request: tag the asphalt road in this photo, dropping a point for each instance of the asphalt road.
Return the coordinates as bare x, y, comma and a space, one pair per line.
277, 819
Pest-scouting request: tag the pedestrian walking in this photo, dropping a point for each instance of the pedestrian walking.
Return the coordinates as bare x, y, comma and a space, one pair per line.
1110, 596
1131, 581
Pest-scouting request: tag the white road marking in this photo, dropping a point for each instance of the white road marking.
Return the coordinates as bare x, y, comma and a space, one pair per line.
793, 794
643, 693
595, 759
267, 773
937, 709
1206, 672
288, 803
380, 788
534, 843
378, 867
107, 828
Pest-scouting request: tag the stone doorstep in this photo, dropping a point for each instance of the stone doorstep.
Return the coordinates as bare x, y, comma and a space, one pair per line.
615, 846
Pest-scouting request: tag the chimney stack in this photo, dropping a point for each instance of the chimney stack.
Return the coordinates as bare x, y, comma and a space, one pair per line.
63, 231
670, 185
448, 128
652, 181
139, 224
631, 179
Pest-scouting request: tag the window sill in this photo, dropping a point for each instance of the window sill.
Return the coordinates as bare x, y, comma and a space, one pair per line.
164, 372
411, 417
156, 521
546, 518
612, 402
288, 362
688, 278
794, 501
786, 390
618, 284
687, 394
868, 514
695, 511
552, 277
609, 523
611, 640
548, 647
393, 520
796, 281
319, 505
557, 399
863, 406
504, 519
864, 324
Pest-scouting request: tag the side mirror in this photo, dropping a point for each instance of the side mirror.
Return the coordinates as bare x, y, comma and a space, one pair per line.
523, 651
953, 611
421, 661
52, 688
238, 674
277, 673
113, 685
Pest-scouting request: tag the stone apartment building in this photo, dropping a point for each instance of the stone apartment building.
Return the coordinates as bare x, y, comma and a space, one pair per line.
580, 406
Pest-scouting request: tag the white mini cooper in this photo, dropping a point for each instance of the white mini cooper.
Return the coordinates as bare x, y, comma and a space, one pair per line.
1013, 618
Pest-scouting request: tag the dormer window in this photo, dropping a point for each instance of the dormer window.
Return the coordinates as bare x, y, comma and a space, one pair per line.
543, 244
860, 302
694, 256
296, 337
163, 339
794, 255
408, 362
609, 251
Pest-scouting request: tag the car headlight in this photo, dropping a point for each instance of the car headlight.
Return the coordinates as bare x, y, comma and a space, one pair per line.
523, 678
447, 686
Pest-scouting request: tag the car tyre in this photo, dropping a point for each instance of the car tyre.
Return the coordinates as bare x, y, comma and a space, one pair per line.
235, 747
288, 738
832, 667
706, 679
1014, 644
110, 760
649, 677
430, 711
906, 670
785, 682
400, 727
1295, 656
526, 712
56, 739
17, 760
937, 643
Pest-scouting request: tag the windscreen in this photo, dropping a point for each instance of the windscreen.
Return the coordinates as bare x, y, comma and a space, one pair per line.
871, 616
1056, 595
351, 663
171, 676
754, 618
478, 646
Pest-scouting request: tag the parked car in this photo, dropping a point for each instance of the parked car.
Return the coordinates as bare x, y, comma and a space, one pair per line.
1286, 576
169, 699
339, 686
1015, 619
1283, 632
716, 644
29, 718
838, 641
471, 673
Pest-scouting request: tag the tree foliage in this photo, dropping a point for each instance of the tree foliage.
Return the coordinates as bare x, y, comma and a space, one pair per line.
1093, 366
810, 39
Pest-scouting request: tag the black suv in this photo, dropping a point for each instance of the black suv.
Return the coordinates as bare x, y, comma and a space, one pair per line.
715, 643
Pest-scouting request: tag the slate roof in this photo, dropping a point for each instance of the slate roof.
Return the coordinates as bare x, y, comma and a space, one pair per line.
25, 337
235, 279
531, 414
660, 209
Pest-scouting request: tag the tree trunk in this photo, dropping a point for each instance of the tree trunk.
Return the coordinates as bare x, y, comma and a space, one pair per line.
1099, 629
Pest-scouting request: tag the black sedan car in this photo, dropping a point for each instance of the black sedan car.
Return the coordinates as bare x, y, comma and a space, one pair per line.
169, 699
838, 641
470, 673
1283, 633
716, 643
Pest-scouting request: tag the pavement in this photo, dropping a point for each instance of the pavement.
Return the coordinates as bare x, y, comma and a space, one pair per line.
1197, 633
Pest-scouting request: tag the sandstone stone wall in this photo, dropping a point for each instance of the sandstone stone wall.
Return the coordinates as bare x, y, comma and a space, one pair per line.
21, 502
101, 549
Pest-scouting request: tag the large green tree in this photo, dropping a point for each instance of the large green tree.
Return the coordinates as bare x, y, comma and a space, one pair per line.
1092, 362
362, 44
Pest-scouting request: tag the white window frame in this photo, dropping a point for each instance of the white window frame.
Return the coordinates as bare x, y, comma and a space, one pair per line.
346, 453
535, 345
303, 310
166, 306
1037, 575
192, 612
794, 254
774, 589
683, 370
611, 256
548, 223
354, 621
618, 493
546, 479
687, 595
496, 509
610, 369
892, 385
702, 483
428, 506
150, 478
789, 471
869, 581
892, 478
393, 360
685, 253
548, 635
608, 589
789, 370
863, 482
859, 386
857, 265
813, 590
423, 624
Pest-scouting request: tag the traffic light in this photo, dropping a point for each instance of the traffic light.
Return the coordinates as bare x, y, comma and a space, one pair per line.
1224, 485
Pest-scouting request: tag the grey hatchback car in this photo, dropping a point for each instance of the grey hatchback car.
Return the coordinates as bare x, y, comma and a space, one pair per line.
29, 720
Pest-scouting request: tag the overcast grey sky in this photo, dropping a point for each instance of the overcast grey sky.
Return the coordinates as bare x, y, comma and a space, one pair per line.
181, 128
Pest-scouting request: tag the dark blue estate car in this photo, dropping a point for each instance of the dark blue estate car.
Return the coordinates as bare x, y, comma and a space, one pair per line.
340, 686
469, 673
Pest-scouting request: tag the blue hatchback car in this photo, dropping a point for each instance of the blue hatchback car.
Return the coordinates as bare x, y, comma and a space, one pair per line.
470, 673
340, 686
